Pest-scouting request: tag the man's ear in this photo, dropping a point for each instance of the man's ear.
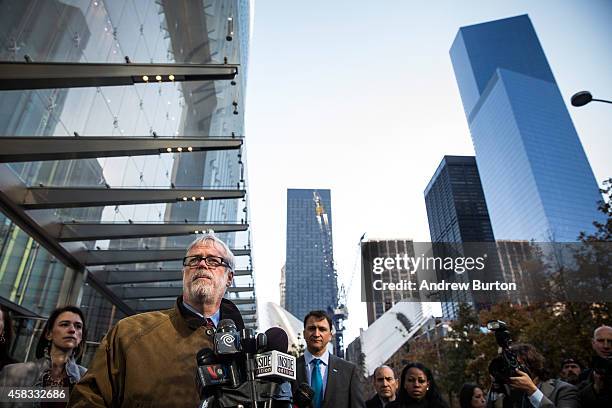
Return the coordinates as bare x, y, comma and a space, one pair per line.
230, 278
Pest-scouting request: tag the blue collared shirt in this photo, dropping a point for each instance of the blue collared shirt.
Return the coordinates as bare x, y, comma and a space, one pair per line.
215, 317
308, 357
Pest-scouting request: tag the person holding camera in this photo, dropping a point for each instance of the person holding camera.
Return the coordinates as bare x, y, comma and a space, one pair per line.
596, 390
531, 387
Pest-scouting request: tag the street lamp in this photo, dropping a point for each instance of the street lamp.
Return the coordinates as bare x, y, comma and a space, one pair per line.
583, 97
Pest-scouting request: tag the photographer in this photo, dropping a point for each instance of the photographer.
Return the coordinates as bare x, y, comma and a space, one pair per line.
531, 387
596, 390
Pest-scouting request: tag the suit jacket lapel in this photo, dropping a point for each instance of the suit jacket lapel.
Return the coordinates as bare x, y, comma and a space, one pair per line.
331, 379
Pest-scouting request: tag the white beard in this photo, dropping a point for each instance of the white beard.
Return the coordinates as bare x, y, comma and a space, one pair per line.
204, 291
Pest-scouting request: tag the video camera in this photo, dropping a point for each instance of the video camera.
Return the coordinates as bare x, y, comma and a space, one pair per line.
506, 363
244, 368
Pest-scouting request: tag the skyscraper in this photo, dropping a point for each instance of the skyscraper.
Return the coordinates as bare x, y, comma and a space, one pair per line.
457, 213
535, 175
310, 275
455, 202
379, 302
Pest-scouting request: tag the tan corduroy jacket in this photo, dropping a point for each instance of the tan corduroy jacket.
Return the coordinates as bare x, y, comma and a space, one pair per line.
149, 360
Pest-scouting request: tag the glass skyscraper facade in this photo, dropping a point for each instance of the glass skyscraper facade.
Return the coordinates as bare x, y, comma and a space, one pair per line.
535, 175
455, 203
310, 275
133, 273
457, 213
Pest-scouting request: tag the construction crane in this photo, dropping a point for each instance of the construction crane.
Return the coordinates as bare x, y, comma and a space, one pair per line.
338, 310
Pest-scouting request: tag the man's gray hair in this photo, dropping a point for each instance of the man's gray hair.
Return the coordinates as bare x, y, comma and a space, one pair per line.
602, 327
380, 368
211, 237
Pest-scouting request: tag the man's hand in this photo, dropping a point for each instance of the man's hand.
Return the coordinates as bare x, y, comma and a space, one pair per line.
523, 383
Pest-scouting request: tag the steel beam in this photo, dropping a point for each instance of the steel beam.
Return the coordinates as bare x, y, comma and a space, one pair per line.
144, 305
82, 231
111, 277
139, 292
37, 198
130, 276
11, 189
22, 149
49, 75
132, 256
141, 305
243, 301
108, 294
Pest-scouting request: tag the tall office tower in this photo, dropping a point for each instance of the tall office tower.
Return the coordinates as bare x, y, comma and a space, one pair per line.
384, 300
310, 274
534, 172
457, 213
104, 222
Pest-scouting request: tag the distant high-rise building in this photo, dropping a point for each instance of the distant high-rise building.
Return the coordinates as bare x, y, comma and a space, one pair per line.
384, 300
310, 275
455, 202
457, 213
535, 175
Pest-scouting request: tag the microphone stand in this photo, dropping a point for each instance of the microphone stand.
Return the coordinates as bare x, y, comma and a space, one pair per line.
249, 346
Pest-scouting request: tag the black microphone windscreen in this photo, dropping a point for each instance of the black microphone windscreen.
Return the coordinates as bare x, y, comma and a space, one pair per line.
303, 395
226, 325
205, 356
277, 340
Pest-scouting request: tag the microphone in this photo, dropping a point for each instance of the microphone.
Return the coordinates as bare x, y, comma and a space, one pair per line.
303, 395
227, 338
212, 373
275, 364
277, 339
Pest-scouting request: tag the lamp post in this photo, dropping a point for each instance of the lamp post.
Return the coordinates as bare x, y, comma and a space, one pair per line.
583, 97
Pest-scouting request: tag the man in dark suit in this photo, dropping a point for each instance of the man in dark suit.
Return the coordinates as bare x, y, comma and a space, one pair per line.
385, 385
334, 381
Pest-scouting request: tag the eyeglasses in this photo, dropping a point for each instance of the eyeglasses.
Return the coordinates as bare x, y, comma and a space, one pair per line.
211, 260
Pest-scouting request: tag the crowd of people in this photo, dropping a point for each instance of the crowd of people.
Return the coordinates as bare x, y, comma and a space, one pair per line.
148, 359
529, 385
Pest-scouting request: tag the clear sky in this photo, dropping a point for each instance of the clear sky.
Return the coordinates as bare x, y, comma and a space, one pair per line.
360, 97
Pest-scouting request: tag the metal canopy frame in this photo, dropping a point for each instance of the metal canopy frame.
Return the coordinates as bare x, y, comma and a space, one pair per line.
22, 149
46, 75
28, 207
37, 198
140, 292
132, 256
145, 305
115, 277
82, 231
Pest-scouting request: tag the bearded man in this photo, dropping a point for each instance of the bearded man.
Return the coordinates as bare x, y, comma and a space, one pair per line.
149, 359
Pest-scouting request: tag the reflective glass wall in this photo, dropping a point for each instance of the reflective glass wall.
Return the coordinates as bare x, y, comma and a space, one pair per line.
535, 174
120, 31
